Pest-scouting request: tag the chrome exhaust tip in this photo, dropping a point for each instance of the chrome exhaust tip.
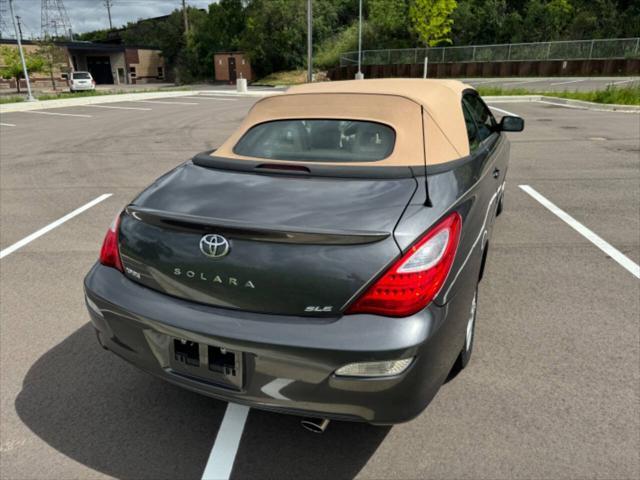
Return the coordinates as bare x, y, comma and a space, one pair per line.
315, 425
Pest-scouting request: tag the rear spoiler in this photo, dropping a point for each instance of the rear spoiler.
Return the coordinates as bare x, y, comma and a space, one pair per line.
243, 231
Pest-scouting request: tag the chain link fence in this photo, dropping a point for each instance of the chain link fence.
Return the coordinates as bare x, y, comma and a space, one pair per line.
509, 52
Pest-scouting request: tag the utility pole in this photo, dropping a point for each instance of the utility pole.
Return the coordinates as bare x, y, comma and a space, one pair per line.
19, 27
109, 4
24, 64
359, 75
186, 17
309, 42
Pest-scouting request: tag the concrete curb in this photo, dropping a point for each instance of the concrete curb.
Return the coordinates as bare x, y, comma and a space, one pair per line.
564, 102
123, 97
231, 93
75, 102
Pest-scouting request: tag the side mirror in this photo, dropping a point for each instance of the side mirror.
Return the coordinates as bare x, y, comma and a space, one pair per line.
511, 124
65, 76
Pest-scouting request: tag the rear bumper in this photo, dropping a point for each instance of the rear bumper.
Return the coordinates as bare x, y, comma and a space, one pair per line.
77, 88
289, 362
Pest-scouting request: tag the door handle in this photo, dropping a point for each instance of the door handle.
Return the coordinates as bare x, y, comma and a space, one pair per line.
496, 173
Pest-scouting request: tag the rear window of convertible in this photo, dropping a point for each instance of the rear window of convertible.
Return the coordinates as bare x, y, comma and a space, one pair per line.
318, 141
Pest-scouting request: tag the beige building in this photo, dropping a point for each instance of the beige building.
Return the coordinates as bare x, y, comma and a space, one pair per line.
107, 63
230, 66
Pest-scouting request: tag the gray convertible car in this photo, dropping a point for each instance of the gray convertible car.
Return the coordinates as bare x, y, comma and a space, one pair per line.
324, 261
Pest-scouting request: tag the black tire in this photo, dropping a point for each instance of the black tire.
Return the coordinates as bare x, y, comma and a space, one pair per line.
465, 354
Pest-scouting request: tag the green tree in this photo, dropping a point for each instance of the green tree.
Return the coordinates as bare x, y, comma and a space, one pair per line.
275, 30
388, 20
547, 20
388, 15
486, 22
12, 65
275, 35
53, 58
94, 36
219, 30
431, 20
599, 19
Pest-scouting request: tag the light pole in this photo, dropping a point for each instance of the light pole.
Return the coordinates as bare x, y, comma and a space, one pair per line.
24, 64
309, 42
360, 75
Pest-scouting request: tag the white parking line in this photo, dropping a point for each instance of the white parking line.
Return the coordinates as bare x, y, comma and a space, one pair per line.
58, 114
565, 83
7, 124
624, 81
503, 111
225, 448
51, 226
118, 108
493, 80
522, 82
165, 103
603, 245
211, 97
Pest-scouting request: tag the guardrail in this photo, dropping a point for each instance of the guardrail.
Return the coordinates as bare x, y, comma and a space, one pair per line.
508, 52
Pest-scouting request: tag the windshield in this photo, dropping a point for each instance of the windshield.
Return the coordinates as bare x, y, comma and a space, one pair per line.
81, 76
318, 141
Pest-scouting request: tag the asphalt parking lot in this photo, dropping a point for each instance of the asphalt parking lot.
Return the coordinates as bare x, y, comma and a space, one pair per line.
552, 391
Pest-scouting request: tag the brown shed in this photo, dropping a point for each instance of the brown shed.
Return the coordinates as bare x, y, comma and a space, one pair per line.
230, 66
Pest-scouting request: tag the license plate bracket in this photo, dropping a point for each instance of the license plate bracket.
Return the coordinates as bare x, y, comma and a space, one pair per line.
209, 363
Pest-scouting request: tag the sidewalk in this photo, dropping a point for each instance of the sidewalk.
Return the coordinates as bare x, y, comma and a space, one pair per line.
123, 97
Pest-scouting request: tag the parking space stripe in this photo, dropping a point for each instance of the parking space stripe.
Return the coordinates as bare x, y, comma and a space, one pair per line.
211, 97
165, 103
225, 448
522, 82
503, 111
565, 83
118, 108
57, 114
7, 124
599, 242
624, 81
51, 226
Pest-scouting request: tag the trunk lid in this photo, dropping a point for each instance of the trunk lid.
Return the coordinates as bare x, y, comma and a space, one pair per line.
294, 245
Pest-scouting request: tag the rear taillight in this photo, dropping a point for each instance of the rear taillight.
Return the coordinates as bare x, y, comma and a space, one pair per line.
412, 282
109, 253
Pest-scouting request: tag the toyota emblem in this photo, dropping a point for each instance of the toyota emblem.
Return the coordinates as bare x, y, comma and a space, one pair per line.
214, 246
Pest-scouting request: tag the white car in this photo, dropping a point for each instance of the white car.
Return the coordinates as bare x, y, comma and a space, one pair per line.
81, 81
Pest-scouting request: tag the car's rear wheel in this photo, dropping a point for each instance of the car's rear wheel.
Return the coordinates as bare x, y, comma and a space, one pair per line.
500, 205
465, 354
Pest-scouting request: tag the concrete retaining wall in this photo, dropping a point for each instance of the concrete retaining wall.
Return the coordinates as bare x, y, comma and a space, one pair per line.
543, 68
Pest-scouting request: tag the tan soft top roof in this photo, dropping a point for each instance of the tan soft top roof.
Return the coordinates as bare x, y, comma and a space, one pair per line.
415, 108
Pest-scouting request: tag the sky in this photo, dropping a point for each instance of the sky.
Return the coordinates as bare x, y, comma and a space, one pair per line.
87, 15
